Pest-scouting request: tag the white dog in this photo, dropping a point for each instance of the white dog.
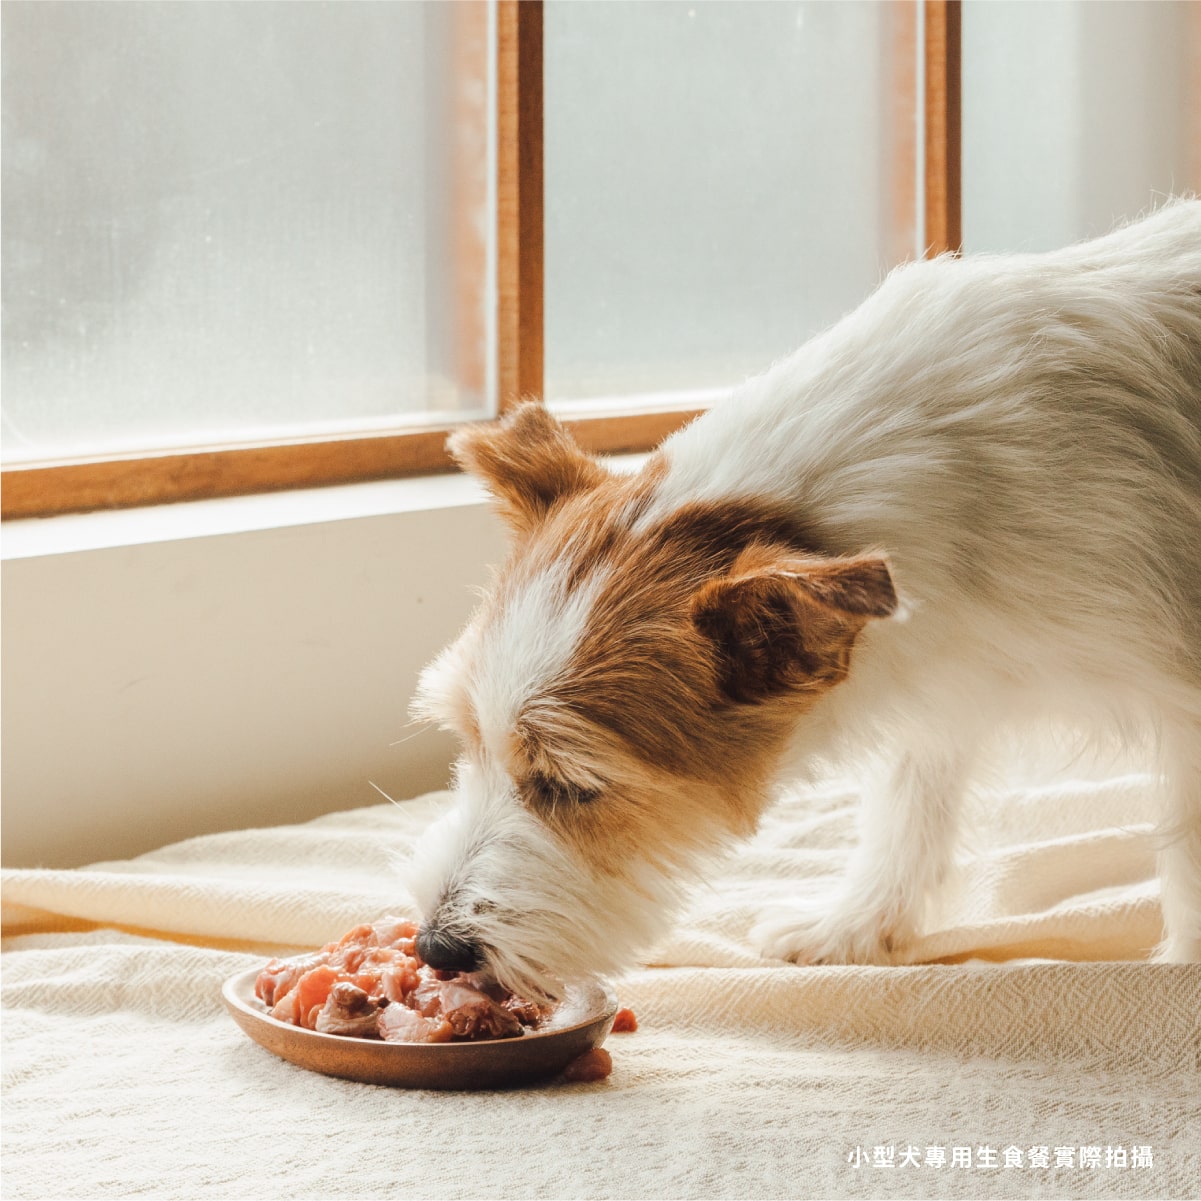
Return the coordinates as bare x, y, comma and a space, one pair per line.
975, 501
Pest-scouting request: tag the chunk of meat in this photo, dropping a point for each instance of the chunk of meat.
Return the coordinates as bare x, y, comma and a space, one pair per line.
395, 932
528, 1013
350, 1011
624, 1022
312, 991
284, 1010
596, 1064
400, 1024
281, 975
371, 983
398, 980
471, 1012
474, 1015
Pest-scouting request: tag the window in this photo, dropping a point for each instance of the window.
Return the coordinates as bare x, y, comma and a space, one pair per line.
241, 224
745, 179
262, 246
229, 221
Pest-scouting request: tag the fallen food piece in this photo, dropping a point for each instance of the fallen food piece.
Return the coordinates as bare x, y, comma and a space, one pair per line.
624, 1022
596, 1064
371, 983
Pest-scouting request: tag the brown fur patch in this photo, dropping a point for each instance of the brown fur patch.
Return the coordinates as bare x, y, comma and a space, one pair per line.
528, 461
666, 721
713, 628
784, 624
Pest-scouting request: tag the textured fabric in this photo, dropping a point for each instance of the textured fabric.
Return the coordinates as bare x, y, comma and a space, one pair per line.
123, 1076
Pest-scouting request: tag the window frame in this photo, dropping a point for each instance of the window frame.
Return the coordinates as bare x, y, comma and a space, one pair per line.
45, 488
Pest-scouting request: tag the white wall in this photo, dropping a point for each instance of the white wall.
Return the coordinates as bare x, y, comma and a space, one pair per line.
153, 690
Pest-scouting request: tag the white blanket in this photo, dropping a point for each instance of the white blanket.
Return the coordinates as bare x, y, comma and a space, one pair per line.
747, 1078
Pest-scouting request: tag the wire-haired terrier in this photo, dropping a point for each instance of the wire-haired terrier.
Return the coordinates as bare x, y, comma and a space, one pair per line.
973, 503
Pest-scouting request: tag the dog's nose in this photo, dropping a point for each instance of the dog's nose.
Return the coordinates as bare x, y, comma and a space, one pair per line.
446, 952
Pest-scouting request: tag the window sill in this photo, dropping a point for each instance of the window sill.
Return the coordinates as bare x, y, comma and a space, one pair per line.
107, 529
111, 528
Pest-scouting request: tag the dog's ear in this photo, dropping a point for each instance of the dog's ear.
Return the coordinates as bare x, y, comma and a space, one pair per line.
528, 462
785, 625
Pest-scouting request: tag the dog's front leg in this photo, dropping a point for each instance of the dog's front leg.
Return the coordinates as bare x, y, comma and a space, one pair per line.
907, 827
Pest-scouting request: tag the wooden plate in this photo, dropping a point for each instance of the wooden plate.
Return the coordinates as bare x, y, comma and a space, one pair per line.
581, 1021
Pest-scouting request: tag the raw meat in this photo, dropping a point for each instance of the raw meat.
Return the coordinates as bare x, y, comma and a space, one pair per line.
371, 983
624, 1022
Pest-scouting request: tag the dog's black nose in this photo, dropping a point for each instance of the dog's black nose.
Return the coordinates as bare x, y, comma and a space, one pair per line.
446, 952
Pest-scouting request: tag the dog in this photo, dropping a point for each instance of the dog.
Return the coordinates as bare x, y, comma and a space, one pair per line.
974, 502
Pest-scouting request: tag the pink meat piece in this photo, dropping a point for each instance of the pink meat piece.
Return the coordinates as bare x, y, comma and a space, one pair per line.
400, 1024
399, 979
285, 1009
359, 936
471, 1013
475, 1016
596, 1064
394, 932
280, 976
426, 995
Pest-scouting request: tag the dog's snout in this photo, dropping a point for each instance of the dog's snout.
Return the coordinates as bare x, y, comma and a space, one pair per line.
446, 952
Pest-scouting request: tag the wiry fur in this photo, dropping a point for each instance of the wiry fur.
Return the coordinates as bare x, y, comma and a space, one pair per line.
483, 838
1003, 453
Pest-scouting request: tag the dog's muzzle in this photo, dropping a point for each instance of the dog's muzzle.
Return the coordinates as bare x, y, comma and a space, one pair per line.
445, 952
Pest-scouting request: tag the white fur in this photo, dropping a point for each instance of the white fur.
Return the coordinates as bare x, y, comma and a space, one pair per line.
532, 638
1021, 435
490, 872
528, 645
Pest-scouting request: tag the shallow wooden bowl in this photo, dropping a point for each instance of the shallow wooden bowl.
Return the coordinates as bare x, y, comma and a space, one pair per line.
580, 1022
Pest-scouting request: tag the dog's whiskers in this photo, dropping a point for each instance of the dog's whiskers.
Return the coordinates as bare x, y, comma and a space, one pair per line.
384, 794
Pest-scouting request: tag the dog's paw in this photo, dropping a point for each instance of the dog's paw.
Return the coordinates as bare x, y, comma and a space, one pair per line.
802, 934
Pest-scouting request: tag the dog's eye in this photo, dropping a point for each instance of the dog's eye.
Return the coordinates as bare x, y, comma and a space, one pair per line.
552, 792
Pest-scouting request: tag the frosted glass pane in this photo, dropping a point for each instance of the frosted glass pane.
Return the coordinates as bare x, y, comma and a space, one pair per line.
723, 179
234, 219
1075, 115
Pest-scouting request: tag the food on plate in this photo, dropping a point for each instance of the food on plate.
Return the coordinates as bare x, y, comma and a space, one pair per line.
371, 983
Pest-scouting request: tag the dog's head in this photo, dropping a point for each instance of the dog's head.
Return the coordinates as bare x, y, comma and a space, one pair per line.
623, 695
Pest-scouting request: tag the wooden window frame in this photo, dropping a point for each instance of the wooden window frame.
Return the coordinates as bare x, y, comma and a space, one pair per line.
943, 127
45, 488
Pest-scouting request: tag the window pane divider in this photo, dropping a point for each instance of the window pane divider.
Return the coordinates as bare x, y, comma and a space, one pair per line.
943, 127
